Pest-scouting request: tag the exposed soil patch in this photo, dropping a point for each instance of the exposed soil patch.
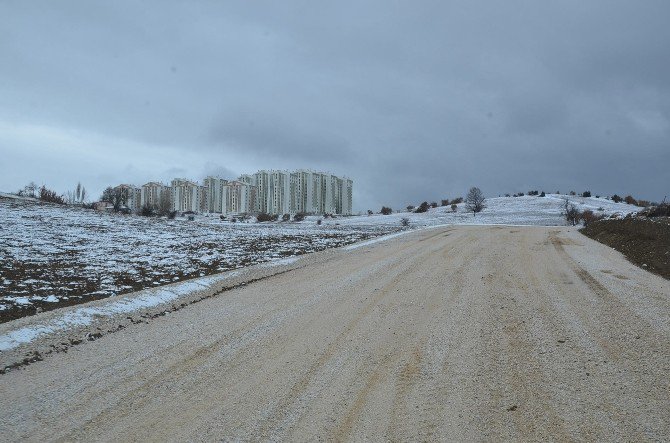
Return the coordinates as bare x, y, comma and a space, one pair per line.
644, 241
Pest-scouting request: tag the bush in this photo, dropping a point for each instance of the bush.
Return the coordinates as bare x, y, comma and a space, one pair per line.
662, 210
404, 221
573, 193
286, 217
275, 217
423, 207
49, 196
147, 211
543, 194
445, 202
410, 208
630, 200
589, 217
172, 214
300, 216
454, 207
433, 205
263, 217
533, 193
457, 200
586, 194
370, 212
386, 211
617, 199
318, 222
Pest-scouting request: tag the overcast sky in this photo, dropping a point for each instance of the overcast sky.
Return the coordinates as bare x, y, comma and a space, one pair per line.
413, 100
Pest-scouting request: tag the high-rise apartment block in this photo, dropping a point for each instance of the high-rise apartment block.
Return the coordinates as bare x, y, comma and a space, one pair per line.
268, 191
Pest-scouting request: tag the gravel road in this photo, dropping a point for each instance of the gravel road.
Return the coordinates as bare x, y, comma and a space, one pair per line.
460, 334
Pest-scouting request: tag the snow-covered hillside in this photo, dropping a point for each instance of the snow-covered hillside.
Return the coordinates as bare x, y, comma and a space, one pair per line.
526, 210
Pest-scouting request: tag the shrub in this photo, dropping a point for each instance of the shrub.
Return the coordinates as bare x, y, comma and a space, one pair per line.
445, 202
263, 217
586, 194
147, 211
662, 210
404, 221
533, 193
275, 217
172, 214
630, 200
643, 203
457, 200
49, 196
370, 212
617, 199
589, 217
573, 193
423, 207
543, 194
286, 217
454, 207
410, 208
386, 211
318, 222
300, 216
507, 195
433, 205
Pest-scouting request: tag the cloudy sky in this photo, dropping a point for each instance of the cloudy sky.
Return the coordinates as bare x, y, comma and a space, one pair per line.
413, 100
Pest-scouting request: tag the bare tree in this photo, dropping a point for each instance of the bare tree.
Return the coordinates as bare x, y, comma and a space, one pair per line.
164, 203
475, 201
116, 196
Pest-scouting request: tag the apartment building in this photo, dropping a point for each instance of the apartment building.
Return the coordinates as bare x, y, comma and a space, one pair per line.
132, 196
186, 195
215, 195
241, 198
273, 192
152, 193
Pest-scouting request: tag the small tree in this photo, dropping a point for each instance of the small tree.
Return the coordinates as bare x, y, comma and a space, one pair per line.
386, 211
433, 204
586, 194
454, 207
573, 215
457, 200
300, 216
617, 199
47, 195
423, 207
286, 217
410, 208
474, 201
445, 202
370, 212
116, 196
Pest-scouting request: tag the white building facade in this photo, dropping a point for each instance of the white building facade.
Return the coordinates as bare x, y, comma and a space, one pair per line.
186, 195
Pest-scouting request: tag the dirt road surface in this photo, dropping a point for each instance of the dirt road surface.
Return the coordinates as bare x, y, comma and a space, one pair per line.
459, 334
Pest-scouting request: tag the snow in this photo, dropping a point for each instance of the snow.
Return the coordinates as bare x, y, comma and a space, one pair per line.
125, 305
50, 253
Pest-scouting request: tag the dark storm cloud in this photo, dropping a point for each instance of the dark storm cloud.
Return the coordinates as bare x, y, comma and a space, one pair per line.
413, 100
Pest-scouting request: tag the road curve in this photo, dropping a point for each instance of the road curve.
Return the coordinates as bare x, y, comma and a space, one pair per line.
460, 334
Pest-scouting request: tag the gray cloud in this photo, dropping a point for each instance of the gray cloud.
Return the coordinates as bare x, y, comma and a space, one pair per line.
414, 101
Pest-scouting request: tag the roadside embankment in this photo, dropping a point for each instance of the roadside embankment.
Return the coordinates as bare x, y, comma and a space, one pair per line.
644, 241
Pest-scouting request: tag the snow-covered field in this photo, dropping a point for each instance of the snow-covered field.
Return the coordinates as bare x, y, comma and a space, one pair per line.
52, 256
55, 255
